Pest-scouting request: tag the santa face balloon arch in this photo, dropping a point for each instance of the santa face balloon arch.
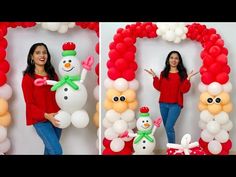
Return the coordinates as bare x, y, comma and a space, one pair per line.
6, 90
121, 85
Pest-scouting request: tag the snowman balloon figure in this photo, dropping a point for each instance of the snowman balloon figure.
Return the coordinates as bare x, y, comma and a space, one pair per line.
71, 94
144, 142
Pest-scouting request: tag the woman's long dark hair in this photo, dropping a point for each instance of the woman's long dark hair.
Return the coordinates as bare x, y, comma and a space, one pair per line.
31, 66
182, 70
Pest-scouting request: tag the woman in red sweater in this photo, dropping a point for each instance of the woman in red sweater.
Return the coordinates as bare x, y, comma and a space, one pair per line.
41, 106
172, 84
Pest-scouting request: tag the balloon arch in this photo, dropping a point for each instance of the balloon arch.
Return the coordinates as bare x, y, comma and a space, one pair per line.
6, 90
121, 85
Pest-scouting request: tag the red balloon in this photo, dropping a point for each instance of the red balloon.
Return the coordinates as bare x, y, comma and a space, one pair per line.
220, 43
222, 78
2, 53
121, 47
4, 66
3, 43
222, 58
112, 45
207, 78
126, 33
97, 48
121, 64
118, 38
129, 74
224, 51
129, 143
226, 69
203, 69
202, 143
97, 69
227, 145
129, 56
110, 64
128, 41
68, 46
214, 37
132, 49
3, 78
106, 143
208, 60
215, 68
214, 50
113, 54
113, 74
133, 65
108, 151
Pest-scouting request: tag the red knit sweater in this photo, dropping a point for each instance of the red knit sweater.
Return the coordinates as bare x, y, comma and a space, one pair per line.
39, 100
171, 89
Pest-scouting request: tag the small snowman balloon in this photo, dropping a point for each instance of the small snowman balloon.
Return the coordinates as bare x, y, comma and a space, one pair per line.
71, 94
144, 141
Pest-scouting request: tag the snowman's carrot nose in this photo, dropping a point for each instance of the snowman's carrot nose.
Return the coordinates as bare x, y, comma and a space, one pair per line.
67, 65
146, 124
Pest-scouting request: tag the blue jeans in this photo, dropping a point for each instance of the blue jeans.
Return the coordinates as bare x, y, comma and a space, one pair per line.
170, 113
50, 136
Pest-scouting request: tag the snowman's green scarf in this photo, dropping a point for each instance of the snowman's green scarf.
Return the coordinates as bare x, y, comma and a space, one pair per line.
144, 134
67, 80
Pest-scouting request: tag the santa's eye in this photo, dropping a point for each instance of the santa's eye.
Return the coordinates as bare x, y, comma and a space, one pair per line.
122, 98
217, 100
115, 98
64, 61
209, 100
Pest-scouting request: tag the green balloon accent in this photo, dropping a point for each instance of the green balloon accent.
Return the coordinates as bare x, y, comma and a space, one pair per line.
144, 134
67, 80
144, 114
68, 53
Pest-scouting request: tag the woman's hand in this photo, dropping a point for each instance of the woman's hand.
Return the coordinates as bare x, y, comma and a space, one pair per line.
191, 74
150, 72
51, 118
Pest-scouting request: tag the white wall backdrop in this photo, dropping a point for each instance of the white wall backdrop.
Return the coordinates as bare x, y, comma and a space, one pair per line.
151, 53
24, 138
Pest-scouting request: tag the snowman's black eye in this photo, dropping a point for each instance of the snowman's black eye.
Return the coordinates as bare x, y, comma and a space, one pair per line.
115, 98
143, 121
146, 120
122, 98
69, 61
64, 61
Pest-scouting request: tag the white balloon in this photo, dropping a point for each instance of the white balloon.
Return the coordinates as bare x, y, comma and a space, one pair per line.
120, 84
227, 87
80, 119
53, 26
202, 87
110, 134
5, 145
98, 132
97, 144
117, 145
128, 115
71, 24
5, 91
170, 36
206, 116
106, 123
64, 119
215, 88
108, 83
222, 117
96, 92
63, 29
132, 124
120, 126
227, 126
177, 40
179, 31
222, 136
112, 115
213, 127
134, 84
202, 124
128, 138
206, 136
214, 147
3, 133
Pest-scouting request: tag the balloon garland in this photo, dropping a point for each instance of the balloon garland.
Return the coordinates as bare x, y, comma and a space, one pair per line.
5, 89
121, 85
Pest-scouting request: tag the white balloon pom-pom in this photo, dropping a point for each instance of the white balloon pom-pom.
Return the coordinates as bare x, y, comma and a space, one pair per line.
63, 29
108, 83
71, 24
222, 136
5, 91
60, 27
214, 147
120, 84
106, 123
202, 87
117, 145
53, 26
206, 136
128, 115
120, 126
227, 126
64, 119
206, 116
222, 117
80, 119
110, 134
214, 88
5, 145
134, 84
213, 127
112, 115
3, 133
96, 92
227, 87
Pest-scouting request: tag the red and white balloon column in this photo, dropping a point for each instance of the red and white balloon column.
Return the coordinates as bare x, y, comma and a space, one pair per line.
121, 84
5, 89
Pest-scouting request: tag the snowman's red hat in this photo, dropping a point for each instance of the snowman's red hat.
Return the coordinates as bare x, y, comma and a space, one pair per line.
68, 49
144, 111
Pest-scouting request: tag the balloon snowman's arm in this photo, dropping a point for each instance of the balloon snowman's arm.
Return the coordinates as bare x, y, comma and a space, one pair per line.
87, 65
51, 82
132, 135
157, 123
